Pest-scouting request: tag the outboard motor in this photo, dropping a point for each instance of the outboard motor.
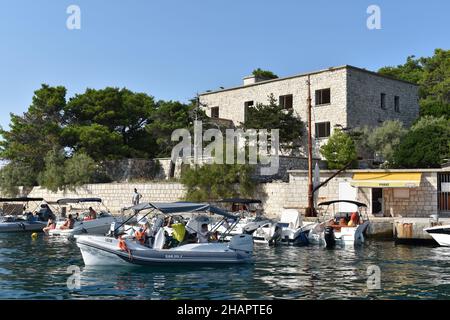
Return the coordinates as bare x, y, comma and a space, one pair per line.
276, 236
330, 240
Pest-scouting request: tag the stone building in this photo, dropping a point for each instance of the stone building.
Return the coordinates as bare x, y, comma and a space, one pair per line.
345, 97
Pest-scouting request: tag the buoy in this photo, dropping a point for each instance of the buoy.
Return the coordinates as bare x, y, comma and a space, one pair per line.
34, 236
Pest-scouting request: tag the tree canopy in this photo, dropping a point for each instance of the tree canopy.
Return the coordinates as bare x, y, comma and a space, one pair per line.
265, 74
339, 150
55, 136
432, 74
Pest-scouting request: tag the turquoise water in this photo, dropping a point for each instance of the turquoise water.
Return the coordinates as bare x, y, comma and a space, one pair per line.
37, 269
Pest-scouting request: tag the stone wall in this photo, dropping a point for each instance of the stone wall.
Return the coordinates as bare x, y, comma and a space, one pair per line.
118, 195
276, 196
364, 99
422, 201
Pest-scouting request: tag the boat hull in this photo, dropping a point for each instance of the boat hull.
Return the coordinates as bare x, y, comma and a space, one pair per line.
95, 227
11, 227
104, 251
441, 234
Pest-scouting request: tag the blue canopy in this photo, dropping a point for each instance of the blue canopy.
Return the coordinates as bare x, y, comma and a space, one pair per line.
180, 207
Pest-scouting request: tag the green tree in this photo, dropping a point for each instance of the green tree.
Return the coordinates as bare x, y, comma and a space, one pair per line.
426, 145
382, 140
116, 116
265, 74
432, 74
63, 173
167, 117
273, 116
31, 137
339, 150
216, 181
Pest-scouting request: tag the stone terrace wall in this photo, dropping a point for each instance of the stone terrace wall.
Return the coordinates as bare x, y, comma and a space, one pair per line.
118, 195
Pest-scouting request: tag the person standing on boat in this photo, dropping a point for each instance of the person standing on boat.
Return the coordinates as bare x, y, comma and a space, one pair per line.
136, 197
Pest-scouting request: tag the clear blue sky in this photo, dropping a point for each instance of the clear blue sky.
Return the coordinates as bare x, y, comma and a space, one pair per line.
173, 48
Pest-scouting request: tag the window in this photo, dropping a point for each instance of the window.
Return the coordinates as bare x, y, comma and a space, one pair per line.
397, 104
323, 96
247, 105
322, 130
215, 112
383, 101
286, 102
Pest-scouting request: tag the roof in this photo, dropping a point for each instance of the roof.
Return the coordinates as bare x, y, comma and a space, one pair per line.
327, 203
180, 207
21, 199
77, 200
306, 74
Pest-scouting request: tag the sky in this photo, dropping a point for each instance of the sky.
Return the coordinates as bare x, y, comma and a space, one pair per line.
173, 49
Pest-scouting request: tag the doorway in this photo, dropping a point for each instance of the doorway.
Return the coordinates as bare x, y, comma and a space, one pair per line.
377, 201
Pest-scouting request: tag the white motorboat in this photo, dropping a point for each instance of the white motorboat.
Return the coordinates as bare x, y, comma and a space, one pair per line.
290, 230
441, 234
342, 228
84, 224
247, 210
16, 216
117, 249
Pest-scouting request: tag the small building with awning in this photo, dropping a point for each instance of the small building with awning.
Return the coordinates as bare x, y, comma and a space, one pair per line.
388, 193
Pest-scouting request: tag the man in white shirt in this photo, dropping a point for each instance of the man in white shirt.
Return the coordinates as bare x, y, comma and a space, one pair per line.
203, 235
136, 197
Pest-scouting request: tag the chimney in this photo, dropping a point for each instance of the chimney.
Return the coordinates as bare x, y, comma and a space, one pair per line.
253, 79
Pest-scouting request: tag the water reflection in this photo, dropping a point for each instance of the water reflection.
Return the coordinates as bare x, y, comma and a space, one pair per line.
37, 269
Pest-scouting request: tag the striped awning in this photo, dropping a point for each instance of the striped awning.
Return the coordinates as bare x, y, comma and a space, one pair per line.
387, 179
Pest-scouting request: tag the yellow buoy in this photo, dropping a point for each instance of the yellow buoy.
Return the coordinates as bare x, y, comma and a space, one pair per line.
34, 236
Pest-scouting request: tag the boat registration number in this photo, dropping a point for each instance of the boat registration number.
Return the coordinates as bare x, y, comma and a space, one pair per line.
173, 256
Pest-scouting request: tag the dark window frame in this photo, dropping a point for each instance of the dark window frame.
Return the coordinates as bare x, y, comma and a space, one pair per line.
326, 130
215, 110
320, 97
247, 104
284, 100
383, 101
397, 104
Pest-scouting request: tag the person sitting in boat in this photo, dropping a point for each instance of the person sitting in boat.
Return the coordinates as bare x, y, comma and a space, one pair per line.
69, 223
178, 234
45, 213
204, 234
354, 219
92, 215
51, 225
77, 217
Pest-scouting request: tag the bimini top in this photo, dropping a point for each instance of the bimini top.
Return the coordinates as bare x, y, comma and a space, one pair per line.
22, 199
78, 200
327, 203
180, 207
240, 201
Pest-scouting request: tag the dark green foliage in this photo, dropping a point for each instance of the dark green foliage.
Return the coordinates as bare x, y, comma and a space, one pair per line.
272, 116
426, 145
432, 74
265, 74
339, 150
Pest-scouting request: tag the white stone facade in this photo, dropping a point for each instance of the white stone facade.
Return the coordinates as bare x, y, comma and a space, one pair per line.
355, 98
